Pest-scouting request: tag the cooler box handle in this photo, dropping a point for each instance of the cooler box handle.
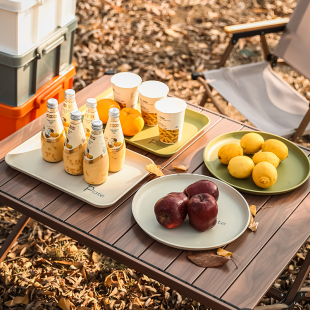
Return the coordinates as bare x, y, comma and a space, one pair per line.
52, 43
49, 93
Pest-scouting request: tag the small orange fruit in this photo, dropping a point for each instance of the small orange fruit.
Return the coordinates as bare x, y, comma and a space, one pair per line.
131, 121
103, 107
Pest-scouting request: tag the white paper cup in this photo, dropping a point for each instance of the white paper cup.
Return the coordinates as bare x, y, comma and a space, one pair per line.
149, 93
125, 89
170, 118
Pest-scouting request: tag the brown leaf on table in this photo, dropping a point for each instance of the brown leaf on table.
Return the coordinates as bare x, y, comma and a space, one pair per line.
253, 210
18, 300
152, 168
253, 225
181, 167
207, 259
223, 252
64, 304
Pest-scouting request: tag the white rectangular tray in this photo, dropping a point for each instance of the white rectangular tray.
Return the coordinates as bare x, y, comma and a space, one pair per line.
27, 158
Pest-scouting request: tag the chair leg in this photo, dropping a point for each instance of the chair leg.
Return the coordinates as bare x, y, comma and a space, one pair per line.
208, 94
302, 127
10, 240
226, 54
204, 99
264, 46
300, 279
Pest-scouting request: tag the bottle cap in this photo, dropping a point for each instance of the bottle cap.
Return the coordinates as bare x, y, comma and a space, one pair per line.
96, 124
76, 115
91, 102
114, 112
52, 103
69, 93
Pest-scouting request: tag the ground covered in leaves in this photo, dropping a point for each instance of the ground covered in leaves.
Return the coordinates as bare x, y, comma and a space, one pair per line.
165, 40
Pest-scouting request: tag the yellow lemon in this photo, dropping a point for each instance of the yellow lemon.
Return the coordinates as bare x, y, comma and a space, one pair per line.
264, 174
240, 167
266, 156
276, 147
229, 151
251, 143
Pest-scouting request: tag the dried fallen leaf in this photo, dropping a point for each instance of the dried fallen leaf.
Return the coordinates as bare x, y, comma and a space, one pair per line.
152, 168
172, 33
96, 257
18, 300
207, 259
253, 210
223, 252
64, 304
83, 308
181, 167
253, 225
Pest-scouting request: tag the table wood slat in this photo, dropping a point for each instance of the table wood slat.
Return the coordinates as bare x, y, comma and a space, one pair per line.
42, 195
272, 259
20, 185
6, 173
277, 210
64, 206
135, 241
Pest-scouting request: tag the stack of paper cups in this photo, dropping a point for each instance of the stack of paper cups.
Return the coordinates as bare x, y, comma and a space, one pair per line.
149, 93
125, 89
170, 118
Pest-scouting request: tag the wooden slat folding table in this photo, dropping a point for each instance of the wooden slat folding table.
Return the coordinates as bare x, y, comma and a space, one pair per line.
283, 223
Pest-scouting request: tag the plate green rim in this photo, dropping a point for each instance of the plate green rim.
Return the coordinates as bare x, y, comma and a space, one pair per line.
249, 191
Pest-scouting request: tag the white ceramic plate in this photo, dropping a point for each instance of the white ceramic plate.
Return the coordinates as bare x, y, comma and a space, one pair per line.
232, 220
27, 158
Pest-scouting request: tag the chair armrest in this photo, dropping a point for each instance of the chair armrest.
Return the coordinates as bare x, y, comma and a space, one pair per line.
279, 22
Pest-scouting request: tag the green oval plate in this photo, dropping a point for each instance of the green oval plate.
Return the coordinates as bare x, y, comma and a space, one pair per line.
292, 172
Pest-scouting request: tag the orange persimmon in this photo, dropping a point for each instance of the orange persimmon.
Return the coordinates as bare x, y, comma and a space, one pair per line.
131, 121
103, 107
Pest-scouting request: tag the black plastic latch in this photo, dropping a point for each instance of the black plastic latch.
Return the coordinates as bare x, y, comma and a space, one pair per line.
195, 76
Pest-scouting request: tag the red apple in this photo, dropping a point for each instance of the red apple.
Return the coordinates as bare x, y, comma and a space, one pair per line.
200, 187
171, 210
202, 211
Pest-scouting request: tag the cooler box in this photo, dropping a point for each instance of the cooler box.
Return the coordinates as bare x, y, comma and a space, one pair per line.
22, 75
14, 118
25, 23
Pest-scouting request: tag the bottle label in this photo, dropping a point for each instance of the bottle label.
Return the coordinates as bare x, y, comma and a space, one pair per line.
113, 135
96, 148
53, 129
67, 108
75, 138
88, 118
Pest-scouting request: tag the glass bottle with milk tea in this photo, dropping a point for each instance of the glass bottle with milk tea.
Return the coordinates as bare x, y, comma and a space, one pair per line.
53, 134
69, 105
115, 142
91, 114
96, 158
75, 145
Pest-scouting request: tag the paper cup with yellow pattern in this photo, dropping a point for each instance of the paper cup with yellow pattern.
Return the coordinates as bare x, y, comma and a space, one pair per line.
170, 118
149, 93
125, 89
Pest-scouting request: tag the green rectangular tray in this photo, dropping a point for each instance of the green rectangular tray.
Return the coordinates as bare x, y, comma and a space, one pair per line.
148, 138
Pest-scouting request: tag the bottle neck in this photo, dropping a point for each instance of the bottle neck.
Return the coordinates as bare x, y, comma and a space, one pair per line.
74, 122
49, 110
96, 132
91, 109
113, 119
70, 100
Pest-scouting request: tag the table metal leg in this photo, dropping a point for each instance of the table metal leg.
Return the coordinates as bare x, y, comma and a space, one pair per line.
10, 240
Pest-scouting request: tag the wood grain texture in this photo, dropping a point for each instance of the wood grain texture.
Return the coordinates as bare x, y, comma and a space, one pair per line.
64, 206
160, 255
276, 211
184, 269
279, 22
42, 195
20, 185
6, 173
272, 259
135, 241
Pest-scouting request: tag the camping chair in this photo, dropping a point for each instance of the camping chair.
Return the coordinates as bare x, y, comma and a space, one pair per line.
266, 100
